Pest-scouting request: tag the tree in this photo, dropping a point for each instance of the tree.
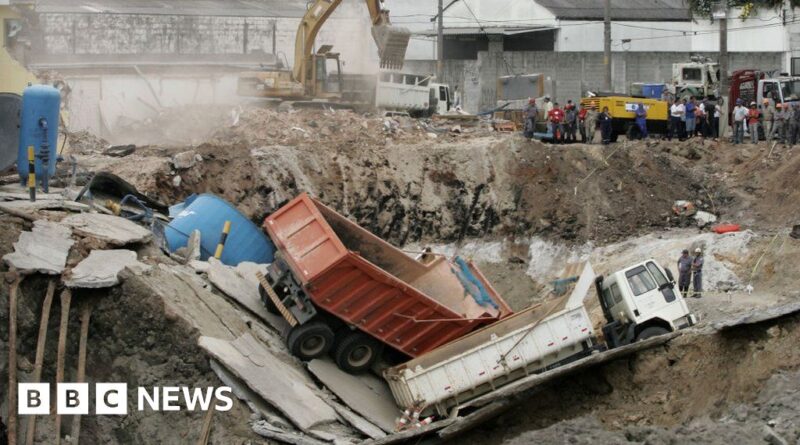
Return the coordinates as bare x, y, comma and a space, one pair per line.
703, 8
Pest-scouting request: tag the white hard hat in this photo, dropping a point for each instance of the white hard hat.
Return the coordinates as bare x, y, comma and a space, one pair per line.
698, 250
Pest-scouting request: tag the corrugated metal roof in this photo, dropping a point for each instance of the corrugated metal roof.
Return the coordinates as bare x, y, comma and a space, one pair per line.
638, 10
493, 30
231, 8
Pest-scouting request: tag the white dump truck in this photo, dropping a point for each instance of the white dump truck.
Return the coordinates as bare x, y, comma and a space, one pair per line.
639, 301
396, 92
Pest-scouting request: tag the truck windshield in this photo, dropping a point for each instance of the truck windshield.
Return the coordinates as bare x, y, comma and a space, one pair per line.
692, 74
640, 280
789, 88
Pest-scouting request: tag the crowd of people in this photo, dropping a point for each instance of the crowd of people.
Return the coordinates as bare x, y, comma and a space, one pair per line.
564, 124
688, 118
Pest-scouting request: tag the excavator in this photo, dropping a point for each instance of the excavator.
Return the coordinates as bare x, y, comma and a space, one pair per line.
309, 80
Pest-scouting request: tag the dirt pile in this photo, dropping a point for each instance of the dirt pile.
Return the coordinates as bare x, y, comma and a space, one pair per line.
481, 186
700, 388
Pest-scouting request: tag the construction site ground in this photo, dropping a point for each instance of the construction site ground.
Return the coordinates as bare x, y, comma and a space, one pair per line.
521, 209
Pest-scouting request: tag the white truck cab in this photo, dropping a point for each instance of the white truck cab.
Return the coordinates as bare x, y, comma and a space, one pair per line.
440, 100
639, 302
779, 89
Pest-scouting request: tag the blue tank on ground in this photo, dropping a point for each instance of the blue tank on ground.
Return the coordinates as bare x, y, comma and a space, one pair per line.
208, 213
39, 128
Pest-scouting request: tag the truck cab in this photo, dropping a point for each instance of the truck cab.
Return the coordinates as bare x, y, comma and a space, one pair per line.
639, 302
440, 100
779, 89
697, 78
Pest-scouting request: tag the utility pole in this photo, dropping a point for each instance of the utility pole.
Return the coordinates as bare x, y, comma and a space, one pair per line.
440, 44
607, 48
722, 15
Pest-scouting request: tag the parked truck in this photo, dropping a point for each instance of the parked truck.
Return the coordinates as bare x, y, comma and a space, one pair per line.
392, 92
638, 302
345, 290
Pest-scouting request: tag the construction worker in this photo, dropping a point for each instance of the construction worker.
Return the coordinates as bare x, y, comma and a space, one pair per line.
753, 122
739, 115
691, 119
641, 120
548, 106
768, 118
556, 119
570, 122
605, 126
697, 273
591, 124
684, 271
778, 123
530, 118
582, 111
794, 124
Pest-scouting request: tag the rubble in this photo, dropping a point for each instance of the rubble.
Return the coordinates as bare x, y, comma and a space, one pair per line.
43, 250
241, 284
112, 229
102, 268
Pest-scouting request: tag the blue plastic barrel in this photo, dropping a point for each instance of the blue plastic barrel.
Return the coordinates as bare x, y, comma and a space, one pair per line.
38, 126
208, 213
652, 90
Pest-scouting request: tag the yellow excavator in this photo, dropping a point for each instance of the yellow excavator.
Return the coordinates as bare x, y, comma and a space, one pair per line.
309, 79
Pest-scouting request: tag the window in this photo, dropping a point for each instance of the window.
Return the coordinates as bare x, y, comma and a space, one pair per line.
795, 66
615, 293
692, 74
640, 280
443, 94
789, 88
656, 272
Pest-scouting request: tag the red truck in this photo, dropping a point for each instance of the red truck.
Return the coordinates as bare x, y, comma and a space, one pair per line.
345, 290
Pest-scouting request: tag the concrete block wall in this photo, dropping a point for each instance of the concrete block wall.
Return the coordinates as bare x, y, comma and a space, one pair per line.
574, 72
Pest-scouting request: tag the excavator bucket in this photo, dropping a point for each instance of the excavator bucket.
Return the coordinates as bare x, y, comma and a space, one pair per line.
392, 43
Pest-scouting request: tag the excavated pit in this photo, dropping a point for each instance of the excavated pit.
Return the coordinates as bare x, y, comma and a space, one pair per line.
459, 189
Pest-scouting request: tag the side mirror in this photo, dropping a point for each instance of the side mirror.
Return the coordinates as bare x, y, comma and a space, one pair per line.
669, 274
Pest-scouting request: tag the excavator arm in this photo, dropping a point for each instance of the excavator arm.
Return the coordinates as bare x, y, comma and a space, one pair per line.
392, 42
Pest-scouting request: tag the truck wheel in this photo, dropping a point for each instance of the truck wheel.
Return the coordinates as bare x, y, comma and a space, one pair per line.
652, 331
309, 341
356, 352
271, 308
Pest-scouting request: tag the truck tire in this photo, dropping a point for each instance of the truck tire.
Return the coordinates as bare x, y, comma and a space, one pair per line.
356, 352
652, 331
271, 308
309, 341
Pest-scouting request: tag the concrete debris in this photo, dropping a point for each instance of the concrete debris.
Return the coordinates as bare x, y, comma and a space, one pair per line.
684, 208
365, 394
13, 207
773, 438
357, 421
200, 266
263, 428
278, 383
704, 218
102, 268
795, 232
241, 284
112, 229
191, 251
43, 250
186, 159
176, 181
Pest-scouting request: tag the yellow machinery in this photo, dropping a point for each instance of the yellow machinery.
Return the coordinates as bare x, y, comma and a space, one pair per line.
308, 78
623, 113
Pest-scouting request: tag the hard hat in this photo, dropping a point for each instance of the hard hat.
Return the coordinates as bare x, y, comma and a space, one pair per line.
739, 101
698, 250
752, 104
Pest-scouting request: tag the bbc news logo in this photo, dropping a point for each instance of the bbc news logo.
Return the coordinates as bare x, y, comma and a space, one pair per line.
112, 398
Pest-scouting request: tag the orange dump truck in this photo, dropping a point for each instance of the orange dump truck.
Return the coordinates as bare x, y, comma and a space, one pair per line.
345, 290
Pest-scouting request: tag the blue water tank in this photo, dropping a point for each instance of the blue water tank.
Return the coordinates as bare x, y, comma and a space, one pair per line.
38, 126
208, 213
652, 90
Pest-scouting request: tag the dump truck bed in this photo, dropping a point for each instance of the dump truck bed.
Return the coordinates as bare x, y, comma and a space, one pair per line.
413, 306
538, 338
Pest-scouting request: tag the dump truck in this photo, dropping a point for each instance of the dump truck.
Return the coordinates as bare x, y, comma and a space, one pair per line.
345, 290
394, 92
623, 114
638, 302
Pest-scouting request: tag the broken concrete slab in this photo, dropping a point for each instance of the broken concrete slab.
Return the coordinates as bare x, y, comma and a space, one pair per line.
365, 394
241, 284
102, 268
263, 428
43, 250
357, 422
42, 204
278, 383
186, 159
112, 229
186, 297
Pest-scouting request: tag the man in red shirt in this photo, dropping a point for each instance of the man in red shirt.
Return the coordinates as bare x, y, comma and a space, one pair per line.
753, 122
556, 119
